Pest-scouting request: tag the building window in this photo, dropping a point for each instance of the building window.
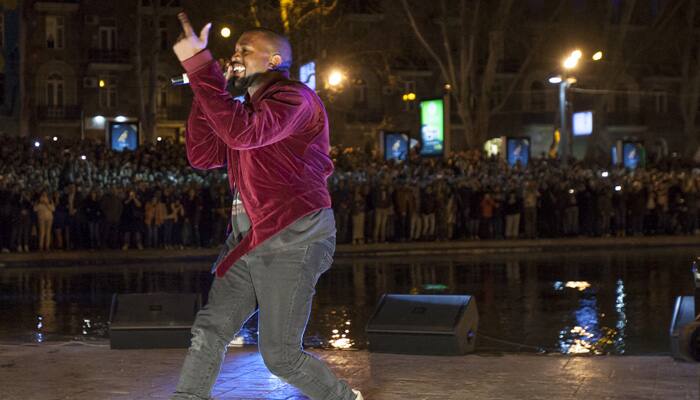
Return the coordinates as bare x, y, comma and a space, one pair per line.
2, 30
360, 94
621, 100
54, 91
163, 35
108, 37
55, 30
660, 101
108, 93
162, 100
538, 99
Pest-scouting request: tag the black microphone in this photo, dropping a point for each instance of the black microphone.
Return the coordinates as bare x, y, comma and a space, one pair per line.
180, 80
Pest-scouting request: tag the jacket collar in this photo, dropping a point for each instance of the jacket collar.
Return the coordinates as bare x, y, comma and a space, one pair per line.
274, 77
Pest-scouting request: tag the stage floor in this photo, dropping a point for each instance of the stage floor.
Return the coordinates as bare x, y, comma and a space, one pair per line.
93, 371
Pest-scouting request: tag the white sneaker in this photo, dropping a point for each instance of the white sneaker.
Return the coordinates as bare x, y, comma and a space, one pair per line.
359, 395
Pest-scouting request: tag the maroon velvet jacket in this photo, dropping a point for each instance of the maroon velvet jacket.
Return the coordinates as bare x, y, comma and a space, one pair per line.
275, 145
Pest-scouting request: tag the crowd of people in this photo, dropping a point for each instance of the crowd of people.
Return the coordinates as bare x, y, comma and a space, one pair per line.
56, 196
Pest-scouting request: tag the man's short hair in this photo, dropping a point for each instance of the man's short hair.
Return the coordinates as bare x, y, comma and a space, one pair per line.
280, 43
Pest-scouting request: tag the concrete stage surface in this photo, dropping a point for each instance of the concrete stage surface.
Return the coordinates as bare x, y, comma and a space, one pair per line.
74, 370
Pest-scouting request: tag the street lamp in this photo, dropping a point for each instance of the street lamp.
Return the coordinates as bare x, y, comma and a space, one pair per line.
565, 81
566, 139
225, 32
335, 79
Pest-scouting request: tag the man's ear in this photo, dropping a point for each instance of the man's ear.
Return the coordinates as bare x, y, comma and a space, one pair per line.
275, 61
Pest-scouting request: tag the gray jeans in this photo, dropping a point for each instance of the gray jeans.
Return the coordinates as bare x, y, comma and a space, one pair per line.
280, 285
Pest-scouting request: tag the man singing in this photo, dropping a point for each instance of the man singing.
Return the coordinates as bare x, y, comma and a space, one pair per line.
275, 146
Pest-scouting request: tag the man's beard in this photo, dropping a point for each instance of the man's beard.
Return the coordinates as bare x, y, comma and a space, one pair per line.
245, 82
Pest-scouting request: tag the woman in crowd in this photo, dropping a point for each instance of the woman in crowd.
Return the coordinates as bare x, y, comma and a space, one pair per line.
44, 209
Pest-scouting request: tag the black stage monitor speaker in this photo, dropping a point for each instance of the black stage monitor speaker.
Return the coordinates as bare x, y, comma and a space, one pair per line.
424, 324
684, 344
152, 320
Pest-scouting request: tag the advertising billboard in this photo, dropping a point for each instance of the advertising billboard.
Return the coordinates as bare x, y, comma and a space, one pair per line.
123, 136
518, 151
633, 154
307, 74
395, 146
432, 127
583, 123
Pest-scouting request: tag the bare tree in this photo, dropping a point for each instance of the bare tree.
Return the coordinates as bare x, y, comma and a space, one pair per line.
148, 80
690, 75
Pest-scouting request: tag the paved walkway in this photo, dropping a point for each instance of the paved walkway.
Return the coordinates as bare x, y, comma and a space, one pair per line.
76, 371
73, 258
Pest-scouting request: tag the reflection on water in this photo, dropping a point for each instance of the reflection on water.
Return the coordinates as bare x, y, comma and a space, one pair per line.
577, 303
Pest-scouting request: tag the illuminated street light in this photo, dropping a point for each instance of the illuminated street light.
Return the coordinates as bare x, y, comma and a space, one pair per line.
55, 138
597, 56
102, 83
555, 79
335, 78
159, 138
37, 144
577, 54
409, 96
570, 63
225, 32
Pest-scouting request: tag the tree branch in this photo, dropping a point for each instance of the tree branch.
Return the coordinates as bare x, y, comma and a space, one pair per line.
423, 42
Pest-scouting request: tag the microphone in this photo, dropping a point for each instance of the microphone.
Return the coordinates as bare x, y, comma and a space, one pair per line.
179, 80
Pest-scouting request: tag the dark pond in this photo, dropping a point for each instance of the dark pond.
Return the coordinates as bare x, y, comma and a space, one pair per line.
599, 302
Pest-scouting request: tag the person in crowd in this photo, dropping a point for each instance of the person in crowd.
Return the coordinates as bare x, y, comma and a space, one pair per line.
571, 211
73, 204
487, 207
221, 213
358, 214
382, 208
154, 215
112, 206
414, 208
131, 219
93, 215
604, 208
192, 219
44, 208
341, 198
22, 222
5, 216
531, 198
512, 211
475, 199
60, 221
428, 208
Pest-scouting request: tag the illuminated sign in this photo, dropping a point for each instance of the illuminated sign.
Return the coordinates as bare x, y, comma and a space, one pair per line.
432, 127
583, 123
518, 151
124, 136
395, 146
307, 74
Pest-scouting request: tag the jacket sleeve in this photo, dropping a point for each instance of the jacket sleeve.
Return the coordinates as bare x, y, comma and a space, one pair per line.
275, 117
204, 149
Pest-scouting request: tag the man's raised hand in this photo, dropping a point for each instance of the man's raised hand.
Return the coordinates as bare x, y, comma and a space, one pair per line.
189, 43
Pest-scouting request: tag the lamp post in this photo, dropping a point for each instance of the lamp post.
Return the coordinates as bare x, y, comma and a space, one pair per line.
565, 143
565, 80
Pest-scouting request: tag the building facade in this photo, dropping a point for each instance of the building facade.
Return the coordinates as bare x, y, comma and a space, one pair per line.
82, 67
10, 20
